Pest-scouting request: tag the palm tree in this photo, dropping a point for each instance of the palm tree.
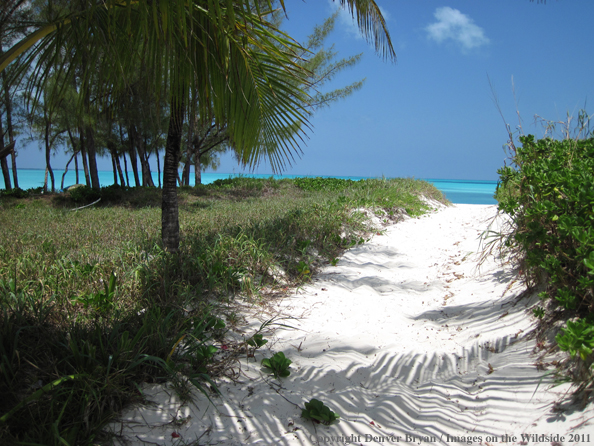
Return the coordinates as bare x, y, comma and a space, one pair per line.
240, 66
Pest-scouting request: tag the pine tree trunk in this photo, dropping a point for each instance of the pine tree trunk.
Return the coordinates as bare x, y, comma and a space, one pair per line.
186, 174
169, 205
92, 154
124, 155
197, 169
8, 104
76, 165
158, 168
66, 170
48, 166
6, 174
3, 163
114, 168
119, 167
126, 170
83, 154
134, 160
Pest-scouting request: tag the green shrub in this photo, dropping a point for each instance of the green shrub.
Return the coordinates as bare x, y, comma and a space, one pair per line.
83, 194
549, 193
15, 193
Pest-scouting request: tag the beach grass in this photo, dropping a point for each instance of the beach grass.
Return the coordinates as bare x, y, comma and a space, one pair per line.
92, 307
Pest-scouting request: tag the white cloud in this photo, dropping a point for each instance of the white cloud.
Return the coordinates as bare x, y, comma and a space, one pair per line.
453, 25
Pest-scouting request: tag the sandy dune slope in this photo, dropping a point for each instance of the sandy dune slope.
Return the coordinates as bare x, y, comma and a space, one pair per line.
405, 338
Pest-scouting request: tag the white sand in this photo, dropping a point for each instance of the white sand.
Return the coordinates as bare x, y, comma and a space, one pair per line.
405, 339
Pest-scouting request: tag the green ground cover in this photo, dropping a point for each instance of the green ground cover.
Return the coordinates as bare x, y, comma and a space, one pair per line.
548, 192
92, 307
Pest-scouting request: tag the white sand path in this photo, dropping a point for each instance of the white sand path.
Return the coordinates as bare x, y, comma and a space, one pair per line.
405, 339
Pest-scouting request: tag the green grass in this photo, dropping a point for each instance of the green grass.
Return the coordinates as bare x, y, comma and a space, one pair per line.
92, 307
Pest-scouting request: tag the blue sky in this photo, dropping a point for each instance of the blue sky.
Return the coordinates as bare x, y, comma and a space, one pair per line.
431, 114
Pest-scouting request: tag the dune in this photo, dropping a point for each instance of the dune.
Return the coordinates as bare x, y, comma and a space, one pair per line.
407, 338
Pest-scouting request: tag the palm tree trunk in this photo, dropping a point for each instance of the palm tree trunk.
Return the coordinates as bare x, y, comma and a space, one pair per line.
169, 205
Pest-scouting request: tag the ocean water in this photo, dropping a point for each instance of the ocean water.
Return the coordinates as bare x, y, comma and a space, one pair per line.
457, 191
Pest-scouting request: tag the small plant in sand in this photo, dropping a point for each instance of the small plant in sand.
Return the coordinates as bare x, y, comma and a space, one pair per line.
102, 301
318, 412
304, 270
278, 365
577, 338
538, 312
256, 341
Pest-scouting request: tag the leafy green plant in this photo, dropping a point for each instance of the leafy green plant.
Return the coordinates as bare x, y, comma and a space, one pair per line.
318, 412
205, 353
102, 301
549, 193
577, 338
168, 306
278, 365
304, 269
256, 341
538, 312
334, 261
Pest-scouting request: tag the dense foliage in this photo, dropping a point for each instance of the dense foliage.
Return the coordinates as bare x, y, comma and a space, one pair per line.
549, 193
92, 306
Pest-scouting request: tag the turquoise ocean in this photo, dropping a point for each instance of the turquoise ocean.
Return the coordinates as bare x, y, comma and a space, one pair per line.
457, 191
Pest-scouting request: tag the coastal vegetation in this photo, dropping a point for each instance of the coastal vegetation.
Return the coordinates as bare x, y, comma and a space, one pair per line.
93, 306
225, 64
548, 191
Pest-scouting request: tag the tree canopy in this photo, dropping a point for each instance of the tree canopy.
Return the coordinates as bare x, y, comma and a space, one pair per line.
240, 69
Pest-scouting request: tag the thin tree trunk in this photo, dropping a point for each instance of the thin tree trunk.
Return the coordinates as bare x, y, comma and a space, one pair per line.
83, 154
158, 168
185, 179
6, 174
76, 165
48, 166
92, 154
133, 158
3, 162
138, 143
8, 104
124, 155
147, 176
119, 167
189, 145
169, 204
114, 168
126, 170
66, 170
197, 169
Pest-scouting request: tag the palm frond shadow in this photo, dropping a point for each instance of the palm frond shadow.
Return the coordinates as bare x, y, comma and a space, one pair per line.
414, 394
